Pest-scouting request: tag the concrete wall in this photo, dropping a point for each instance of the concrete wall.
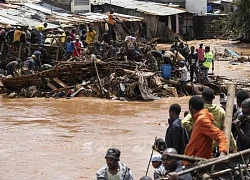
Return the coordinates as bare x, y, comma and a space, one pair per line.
206, 27
65, 4
195, 7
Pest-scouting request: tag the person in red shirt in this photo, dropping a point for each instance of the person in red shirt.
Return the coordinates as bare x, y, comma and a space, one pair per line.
204, 132
77, 47
200, 52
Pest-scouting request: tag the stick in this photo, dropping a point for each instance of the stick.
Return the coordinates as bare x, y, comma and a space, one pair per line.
186, 158
98, 77
229, 112
214, 161
150, 158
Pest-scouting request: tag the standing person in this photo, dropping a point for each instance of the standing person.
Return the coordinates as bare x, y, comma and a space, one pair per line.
200, 52
73, 34
204, 132
208, 60
77, 47
111, 20
184, 50
114, 169
241, 95
130, 46
223, 100
40, 29
218, 114
90, 36
169, 166
17, 35
69, 48
37, 60
176, 137
243, 126
193, 60
184, 77
156, 160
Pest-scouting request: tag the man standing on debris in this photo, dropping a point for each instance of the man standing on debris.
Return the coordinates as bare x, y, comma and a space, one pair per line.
218, 114
40, 29
176, 137
204, 132
77, 47
130, 46
242, 125
208, 60
90, 36
170, 166
111, 20
37, 60
184, 77
69, 47
192, 61
17, 35
113, 169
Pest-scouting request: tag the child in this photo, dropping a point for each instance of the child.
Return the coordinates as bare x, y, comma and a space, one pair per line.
184, 77
156, 160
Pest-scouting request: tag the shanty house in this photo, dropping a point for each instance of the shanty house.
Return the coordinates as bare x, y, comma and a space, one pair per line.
160, 19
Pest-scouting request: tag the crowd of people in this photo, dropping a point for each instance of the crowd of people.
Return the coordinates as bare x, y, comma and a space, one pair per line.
199, 134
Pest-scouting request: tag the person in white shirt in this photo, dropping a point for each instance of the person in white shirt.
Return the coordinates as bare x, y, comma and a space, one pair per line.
184, 77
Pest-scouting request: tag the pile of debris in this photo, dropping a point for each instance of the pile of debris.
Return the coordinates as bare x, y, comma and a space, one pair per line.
113, 80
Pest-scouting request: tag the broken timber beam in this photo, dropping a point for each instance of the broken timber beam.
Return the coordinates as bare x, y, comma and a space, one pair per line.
58, 81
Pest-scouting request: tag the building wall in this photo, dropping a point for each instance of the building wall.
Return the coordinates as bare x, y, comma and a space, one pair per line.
65, 4
195, 7
80, 6
77, 6
206, 27
227, 7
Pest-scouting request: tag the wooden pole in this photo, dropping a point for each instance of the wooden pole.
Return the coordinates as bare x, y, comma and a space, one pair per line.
229, 112
20, 51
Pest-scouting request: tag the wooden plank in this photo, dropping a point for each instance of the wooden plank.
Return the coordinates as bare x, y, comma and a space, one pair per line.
60, 82
52, 86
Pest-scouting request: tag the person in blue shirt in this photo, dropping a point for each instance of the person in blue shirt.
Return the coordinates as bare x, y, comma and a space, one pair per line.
37, 60
69, 48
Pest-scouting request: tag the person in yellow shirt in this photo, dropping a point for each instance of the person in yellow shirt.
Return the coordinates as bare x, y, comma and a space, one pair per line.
90, 36
40, 29
17, 34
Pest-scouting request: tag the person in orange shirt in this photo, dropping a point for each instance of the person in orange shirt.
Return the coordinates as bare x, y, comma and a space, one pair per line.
204, 132
111, 20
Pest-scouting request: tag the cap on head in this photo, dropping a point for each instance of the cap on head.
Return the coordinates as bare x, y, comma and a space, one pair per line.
113, 153
182, 62
145, 178
33, 56
156, 158
77, 37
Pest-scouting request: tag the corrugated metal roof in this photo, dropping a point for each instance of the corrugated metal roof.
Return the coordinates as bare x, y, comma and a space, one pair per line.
19, 17
146, 7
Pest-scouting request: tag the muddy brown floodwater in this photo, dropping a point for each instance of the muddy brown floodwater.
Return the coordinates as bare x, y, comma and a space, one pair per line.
68, 138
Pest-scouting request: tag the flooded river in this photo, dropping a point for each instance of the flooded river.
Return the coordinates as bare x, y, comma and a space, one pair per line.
68, 138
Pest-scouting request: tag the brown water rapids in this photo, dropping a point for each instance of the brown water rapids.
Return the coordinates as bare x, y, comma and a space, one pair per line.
68, 138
